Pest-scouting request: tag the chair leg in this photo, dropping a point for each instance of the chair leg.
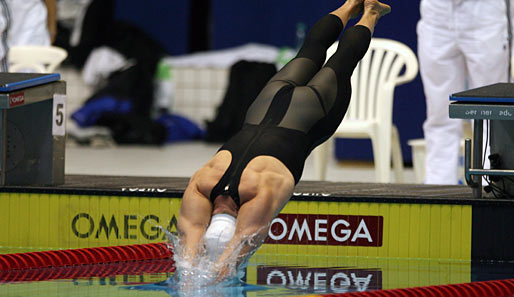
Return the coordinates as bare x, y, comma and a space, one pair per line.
382, 158
396, 150
320, 160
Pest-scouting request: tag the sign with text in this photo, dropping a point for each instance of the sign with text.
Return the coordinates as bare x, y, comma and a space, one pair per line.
16, 99
326, 280
350, 230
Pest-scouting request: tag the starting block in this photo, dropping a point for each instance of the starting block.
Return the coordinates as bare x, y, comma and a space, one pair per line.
32, 129
495, 103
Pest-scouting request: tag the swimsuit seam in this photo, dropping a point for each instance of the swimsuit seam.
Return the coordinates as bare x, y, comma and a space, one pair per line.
318, 95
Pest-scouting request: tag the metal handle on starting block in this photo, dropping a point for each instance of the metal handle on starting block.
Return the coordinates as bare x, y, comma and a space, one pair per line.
470, 172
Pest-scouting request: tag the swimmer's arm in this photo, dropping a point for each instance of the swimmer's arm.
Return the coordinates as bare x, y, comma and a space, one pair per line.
253, 221
195, 214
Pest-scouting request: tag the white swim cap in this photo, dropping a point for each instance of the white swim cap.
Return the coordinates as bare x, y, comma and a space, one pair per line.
218, 234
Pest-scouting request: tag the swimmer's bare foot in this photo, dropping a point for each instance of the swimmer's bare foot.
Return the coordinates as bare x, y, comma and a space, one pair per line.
373, 11
349, 10
355, 7
375, 7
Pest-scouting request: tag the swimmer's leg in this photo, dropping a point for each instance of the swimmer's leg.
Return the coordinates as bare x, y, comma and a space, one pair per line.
322, 35
309, 60
373, 11
333, 81
354, 43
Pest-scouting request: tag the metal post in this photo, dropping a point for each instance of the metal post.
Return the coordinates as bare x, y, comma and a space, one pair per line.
467, 162
478, 129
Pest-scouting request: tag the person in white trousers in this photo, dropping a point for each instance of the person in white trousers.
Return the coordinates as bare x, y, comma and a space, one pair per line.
25, 22
462, 44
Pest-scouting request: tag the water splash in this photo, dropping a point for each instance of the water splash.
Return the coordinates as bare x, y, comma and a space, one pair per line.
199, 276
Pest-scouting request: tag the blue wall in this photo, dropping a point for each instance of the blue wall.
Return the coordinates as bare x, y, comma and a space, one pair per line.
264, 21
166, 21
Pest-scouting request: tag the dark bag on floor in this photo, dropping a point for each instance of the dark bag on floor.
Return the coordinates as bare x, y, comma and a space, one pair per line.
246, 81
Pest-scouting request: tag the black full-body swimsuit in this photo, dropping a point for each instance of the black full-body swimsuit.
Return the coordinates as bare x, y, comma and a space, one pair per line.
300, 107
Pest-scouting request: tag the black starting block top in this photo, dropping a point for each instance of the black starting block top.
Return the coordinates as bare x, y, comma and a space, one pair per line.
15, 81
496, 93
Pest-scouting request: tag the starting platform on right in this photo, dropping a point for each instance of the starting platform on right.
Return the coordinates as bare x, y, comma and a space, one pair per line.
496, 104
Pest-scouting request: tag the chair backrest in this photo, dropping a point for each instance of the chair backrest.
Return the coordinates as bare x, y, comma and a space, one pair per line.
387, 63
33, 58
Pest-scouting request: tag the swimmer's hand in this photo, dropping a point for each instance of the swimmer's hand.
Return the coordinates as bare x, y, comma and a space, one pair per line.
225, 270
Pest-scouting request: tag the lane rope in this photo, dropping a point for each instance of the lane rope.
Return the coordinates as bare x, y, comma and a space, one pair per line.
85, 256
494, 288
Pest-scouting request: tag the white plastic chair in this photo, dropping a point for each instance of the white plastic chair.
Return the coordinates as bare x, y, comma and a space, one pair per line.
34, 58
387, 63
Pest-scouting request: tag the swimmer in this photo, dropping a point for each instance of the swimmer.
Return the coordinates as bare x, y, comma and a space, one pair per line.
237, 193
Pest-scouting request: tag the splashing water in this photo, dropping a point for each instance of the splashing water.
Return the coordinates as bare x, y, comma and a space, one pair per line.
198, 277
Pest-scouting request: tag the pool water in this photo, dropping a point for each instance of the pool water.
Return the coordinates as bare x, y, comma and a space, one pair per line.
279, 275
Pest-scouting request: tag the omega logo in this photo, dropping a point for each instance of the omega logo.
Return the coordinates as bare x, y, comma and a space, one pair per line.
16, 99
326, 230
